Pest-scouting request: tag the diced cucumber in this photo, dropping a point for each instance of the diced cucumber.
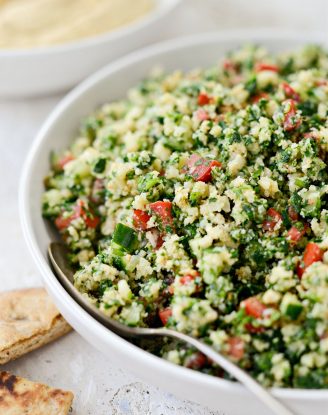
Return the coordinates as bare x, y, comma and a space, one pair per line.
125, 237
118, 257
293, 310
99, 165
195, 198
290, 306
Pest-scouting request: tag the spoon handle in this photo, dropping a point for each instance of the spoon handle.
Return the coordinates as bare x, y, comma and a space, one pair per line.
263, 394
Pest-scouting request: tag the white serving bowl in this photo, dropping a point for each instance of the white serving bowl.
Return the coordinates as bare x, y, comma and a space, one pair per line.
109, 84
51, 69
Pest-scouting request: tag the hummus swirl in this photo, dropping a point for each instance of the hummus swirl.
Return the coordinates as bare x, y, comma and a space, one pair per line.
33, 23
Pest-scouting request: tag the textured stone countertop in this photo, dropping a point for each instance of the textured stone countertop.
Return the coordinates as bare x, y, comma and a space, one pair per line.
70, 362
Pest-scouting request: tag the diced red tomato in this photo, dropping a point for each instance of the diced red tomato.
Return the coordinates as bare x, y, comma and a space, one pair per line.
236, 347
294, 216
203, 99
273, 217
163, 210
290, 92
254, 307
170, 289
256, 98
294, 234
164, 315
79, 210
312, 134
321, 82
186, 279
63, 223
308, 135
97, 191
200, 168
64, 160
290, 122
196, 361
90, 219
259, 67
228, 65
202, 115
299, 270
313, 253
324, 335
140, 219
159, 241
252, 329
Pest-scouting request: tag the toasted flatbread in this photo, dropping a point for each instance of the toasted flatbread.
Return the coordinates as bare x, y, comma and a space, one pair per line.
28, 320
20, 396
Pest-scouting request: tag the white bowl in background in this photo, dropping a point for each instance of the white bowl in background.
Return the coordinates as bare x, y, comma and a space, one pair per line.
109, 84
52, 69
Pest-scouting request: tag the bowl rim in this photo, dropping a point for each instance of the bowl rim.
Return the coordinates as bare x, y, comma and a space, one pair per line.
160, 10
26, 183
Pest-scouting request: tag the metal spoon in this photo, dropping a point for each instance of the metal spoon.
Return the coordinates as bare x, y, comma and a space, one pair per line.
58, 253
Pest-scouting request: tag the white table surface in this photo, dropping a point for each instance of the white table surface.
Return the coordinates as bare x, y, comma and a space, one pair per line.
71, 363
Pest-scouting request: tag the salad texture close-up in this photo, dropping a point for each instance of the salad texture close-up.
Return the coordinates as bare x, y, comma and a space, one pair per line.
199, 202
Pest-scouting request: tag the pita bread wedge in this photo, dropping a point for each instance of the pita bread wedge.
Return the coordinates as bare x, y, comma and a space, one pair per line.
20, 396
28, 320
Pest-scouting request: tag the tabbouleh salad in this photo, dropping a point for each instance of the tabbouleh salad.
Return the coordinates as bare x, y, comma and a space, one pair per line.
200, 202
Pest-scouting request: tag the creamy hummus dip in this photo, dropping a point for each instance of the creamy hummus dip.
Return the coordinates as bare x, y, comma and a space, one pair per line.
32, 23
